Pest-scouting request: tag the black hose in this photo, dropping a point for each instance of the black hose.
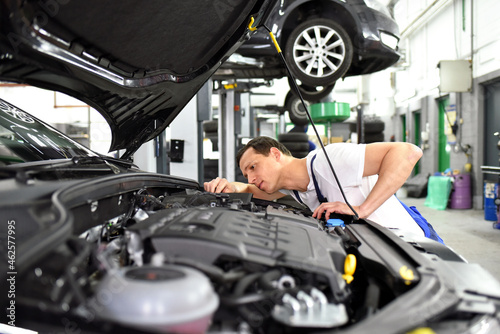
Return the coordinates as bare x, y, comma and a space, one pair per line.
244, 283
266, 279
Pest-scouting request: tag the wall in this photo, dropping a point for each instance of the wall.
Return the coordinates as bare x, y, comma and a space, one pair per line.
438, 30
184, 127
432, 30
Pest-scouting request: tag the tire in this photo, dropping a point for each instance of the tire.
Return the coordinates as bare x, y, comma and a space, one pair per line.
293, 137
329, 62
296, 146
211, 126
374, 137
370, 126
299, 154
296, 110
311, 93
210, 169
214, 138
375, 126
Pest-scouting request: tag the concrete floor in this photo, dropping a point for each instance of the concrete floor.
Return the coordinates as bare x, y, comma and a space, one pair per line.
466, 231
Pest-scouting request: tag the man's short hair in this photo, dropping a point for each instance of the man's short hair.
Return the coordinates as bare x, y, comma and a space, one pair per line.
262, 145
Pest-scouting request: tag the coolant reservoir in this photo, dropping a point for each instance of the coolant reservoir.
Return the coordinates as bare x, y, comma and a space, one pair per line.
170, 298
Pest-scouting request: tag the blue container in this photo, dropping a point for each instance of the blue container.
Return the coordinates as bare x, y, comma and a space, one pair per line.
498, 209
490, 209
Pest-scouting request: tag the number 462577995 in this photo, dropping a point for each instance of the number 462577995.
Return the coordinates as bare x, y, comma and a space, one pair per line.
11, 244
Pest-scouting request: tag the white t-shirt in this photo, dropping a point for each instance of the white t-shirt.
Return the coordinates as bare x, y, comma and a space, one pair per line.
348, 162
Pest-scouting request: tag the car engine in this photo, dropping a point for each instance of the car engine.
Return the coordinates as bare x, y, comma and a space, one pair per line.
219, 259
128, 254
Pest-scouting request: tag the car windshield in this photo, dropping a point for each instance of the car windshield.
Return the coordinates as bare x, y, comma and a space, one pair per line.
24, 138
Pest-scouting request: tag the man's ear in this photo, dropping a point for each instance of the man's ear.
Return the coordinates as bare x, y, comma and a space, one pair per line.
275, 153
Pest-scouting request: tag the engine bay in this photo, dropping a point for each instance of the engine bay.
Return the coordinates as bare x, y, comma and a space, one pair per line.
140, 257
247, 259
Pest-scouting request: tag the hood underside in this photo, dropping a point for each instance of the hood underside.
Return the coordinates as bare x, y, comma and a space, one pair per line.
137, 63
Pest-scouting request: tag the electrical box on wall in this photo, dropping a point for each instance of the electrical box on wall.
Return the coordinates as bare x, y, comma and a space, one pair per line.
455, 76
177, 150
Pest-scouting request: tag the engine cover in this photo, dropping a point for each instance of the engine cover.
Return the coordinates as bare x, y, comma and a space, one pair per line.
274, 238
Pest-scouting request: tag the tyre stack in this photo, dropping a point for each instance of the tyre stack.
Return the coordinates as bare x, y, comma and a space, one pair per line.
373, 129
296, 110
296, 142
211, 166
210, 128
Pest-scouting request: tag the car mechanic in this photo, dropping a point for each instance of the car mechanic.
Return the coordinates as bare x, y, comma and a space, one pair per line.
369, 174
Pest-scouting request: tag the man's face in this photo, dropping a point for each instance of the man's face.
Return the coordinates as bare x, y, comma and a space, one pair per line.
260, 170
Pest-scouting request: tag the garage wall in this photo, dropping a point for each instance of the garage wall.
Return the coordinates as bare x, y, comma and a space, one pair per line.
438, 30
433, 31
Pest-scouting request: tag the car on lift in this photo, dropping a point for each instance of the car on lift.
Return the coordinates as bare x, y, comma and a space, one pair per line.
322, 41
92, 244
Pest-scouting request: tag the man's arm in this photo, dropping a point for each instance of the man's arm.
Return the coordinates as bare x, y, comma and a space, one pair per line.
221, 185
393, 162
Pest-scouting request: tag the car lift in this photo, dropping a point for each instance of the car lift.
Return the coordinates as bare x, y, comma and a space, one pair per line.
230, 113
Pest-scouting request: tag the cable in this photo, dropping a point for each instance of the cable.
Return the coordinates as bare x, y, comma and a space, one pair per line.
296, 88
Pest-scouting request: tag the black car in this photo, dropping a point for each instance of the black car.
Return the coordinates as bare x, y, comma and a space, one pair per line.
92, 244
322, 41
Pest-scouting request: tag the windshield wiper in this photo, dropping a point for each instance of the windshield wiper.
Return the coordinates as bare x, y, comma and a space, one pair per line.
26, 171
109, 161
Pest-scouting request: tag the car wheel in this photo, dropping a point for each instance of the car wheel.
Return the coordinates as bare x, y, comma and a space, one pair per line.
296, 110
319, 52
312, 93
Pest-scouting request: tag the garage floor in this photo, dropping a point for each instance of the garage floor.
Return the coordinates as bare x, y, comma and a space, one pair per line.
467, 232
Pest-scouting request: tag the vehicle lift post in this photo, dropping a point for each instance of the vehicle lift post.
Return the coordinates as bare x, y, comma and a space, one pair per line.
227, 133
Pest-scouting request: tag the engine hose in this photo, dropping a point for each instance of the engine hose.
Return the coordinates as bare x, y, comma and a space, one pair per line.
266, 279
244, 283
246, 299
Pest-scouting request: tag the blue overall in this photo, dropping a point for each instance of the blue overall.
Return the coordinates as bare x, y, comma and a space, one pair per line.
429, 231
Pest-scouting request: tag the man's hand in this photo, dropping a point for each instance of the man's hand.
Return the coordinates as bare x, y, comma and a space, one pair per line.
334, 207
219, 185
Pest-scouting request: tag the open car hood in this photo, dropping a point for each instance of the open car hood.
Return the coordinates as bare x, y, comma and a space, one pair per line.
137, 63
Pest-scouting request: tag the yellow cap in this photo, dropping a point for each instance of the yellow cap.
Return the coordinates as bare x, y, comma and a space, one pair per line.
349, 268
422, 330
406, 274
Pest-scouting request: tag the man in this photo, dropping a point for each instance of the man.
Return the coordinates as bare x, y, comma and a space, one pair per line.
369, 174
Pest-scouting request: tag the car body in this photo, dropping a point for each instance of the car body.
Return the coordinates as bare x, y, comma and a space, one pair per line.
61, 46
322, 41
92, 244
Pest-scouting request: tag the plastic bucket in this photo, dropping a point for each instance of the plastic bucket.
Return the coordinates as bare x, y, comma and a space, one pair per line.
438, 192
460, 197
490, 209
